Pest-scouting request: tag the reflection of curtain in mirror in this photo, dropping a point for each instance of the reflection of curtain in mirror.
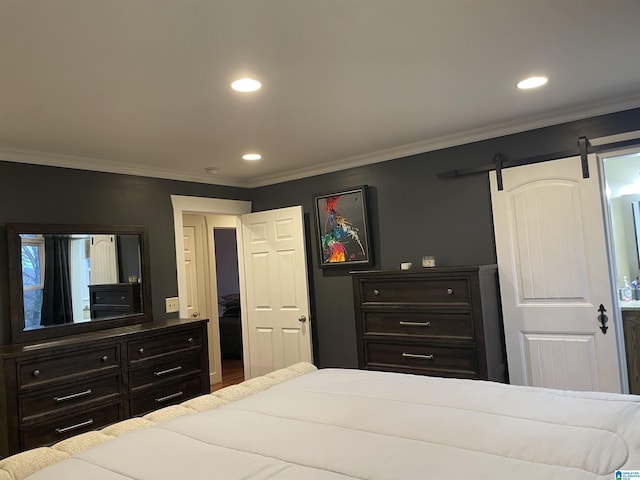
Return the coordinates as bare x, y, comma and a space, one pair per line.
103, 259
56, 302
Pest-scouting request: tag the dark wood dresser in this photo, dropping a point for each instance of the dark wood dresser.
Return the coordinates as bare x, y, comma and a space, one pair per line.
114, 299
55, 389
441, 321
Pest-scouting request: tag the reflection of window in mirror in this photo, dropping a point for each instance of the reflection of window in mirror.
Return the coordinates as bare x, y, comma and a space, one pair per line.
34, 274
32, 277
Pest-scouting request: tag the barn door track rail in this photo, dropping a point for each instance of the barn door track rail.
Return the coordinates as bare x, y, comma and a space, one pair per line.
500, 162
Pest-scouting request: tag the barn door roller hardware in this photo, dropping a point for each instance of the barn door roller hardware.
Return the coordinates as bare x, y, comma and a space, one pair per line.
500, 162
583, 145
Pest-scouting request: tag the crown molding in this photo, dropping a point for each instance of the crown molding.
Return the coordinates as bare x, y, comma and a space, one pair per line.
96, 165
456, 139
437, 143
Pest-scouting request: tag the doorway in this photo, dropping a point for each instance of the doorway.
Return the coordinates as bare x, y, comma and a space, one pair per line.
226, 211
622, 180
274, 289
225, 251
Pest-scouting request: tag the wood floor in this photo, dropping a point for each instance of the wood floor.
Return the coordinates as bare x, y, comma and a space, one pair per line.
232, 374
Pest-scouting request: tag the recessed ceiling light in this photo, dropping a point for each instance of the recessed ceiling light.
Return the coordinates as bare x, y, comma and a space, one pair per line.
252, 156
532, 82
246, 85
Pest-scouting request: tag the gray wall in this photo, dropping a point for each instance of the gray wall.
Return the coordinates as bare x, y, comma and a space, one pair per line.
412, 213
37, 194
415, 213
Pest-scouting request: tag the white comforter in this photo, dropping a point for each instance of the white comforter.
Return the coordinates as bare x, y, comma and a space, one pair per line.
342, 424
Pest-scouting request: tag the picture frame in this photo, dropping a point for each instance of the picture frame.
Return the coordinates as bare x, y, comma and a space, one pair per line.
342, 228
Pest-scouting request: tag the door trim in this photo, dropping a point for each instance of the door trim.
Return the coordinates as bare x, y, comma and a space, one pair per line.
203, 206
616, 313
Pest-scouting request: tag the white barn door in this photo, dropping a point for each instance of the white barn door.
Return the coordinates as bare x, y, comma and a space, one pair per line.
554, 275
277, 293
103, 259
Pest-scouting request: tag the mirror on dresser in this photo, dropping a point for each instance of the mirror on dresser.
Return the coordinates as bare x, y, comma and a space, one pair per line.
68, 279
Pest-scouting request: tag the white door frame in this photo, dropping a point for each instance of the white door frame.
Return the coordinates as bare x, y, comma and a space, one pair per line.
205, 206
616, 314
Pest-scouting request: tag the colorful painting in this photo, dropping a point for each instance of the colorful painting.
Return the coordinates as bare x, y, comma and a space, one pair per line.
343, 235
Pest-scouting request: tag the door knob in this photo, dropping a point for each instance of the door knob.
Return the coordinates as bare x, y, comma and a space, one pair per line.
302, 318
195, 314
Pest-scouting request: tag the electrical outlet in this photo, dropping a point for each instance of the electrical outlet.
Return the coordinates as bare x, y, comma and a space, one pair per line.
173, 304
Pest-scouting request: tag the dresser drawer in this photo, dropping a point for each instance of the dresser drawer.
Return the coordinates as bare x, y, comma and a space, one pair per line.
444, 325
164, 344
424, 290
53, 431
49, 369
52, 401
436, 360
171, 394
176, 366
112, 297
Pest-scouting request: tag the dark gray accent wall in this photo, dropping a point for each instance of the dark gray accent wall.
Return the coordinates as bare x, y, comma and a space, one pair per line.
39, 194
414, 213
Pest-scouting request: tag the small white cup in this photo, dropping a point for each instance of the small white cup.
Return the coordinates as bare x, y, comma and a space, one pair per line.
405, 265
428, 261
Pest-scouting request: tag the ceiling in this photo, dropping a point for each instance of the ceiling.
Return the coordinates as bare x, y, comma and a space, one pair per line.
142, 86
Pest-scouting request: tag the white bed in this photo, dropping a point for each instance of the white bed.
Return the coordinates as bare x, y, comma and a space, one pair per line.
335, 424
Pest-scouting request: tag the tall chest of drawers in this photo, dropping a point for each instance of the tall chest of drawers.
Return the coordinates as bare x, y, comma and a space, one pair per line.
52, 390
441, 321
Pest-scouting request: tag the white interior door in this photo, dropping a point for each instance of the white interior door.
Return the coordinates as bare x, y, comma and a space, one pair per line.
198, 288
276, 303
554, 274
103, 259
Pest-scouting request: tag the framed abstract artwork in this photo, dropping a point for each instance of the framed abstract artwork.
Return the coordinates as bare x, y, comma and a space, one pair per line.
342, 227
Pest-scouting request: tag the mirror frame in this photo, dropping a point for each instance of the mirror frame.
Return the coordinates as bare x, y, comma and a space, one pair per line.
16, 293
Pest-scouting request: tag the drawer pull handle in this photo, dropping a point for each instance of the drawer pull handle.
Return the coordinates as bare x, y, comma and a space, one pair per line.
36, 372
449, 291
72, 396
167, 371
62, 430
123, 298
415, 324
98, 297
169, 397
416, 355
190, 339
141, 350
376, 292
105, 358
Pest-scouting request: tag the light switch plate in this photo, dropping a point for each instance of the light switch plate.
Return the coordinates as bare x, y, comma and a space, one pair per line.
172, 304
